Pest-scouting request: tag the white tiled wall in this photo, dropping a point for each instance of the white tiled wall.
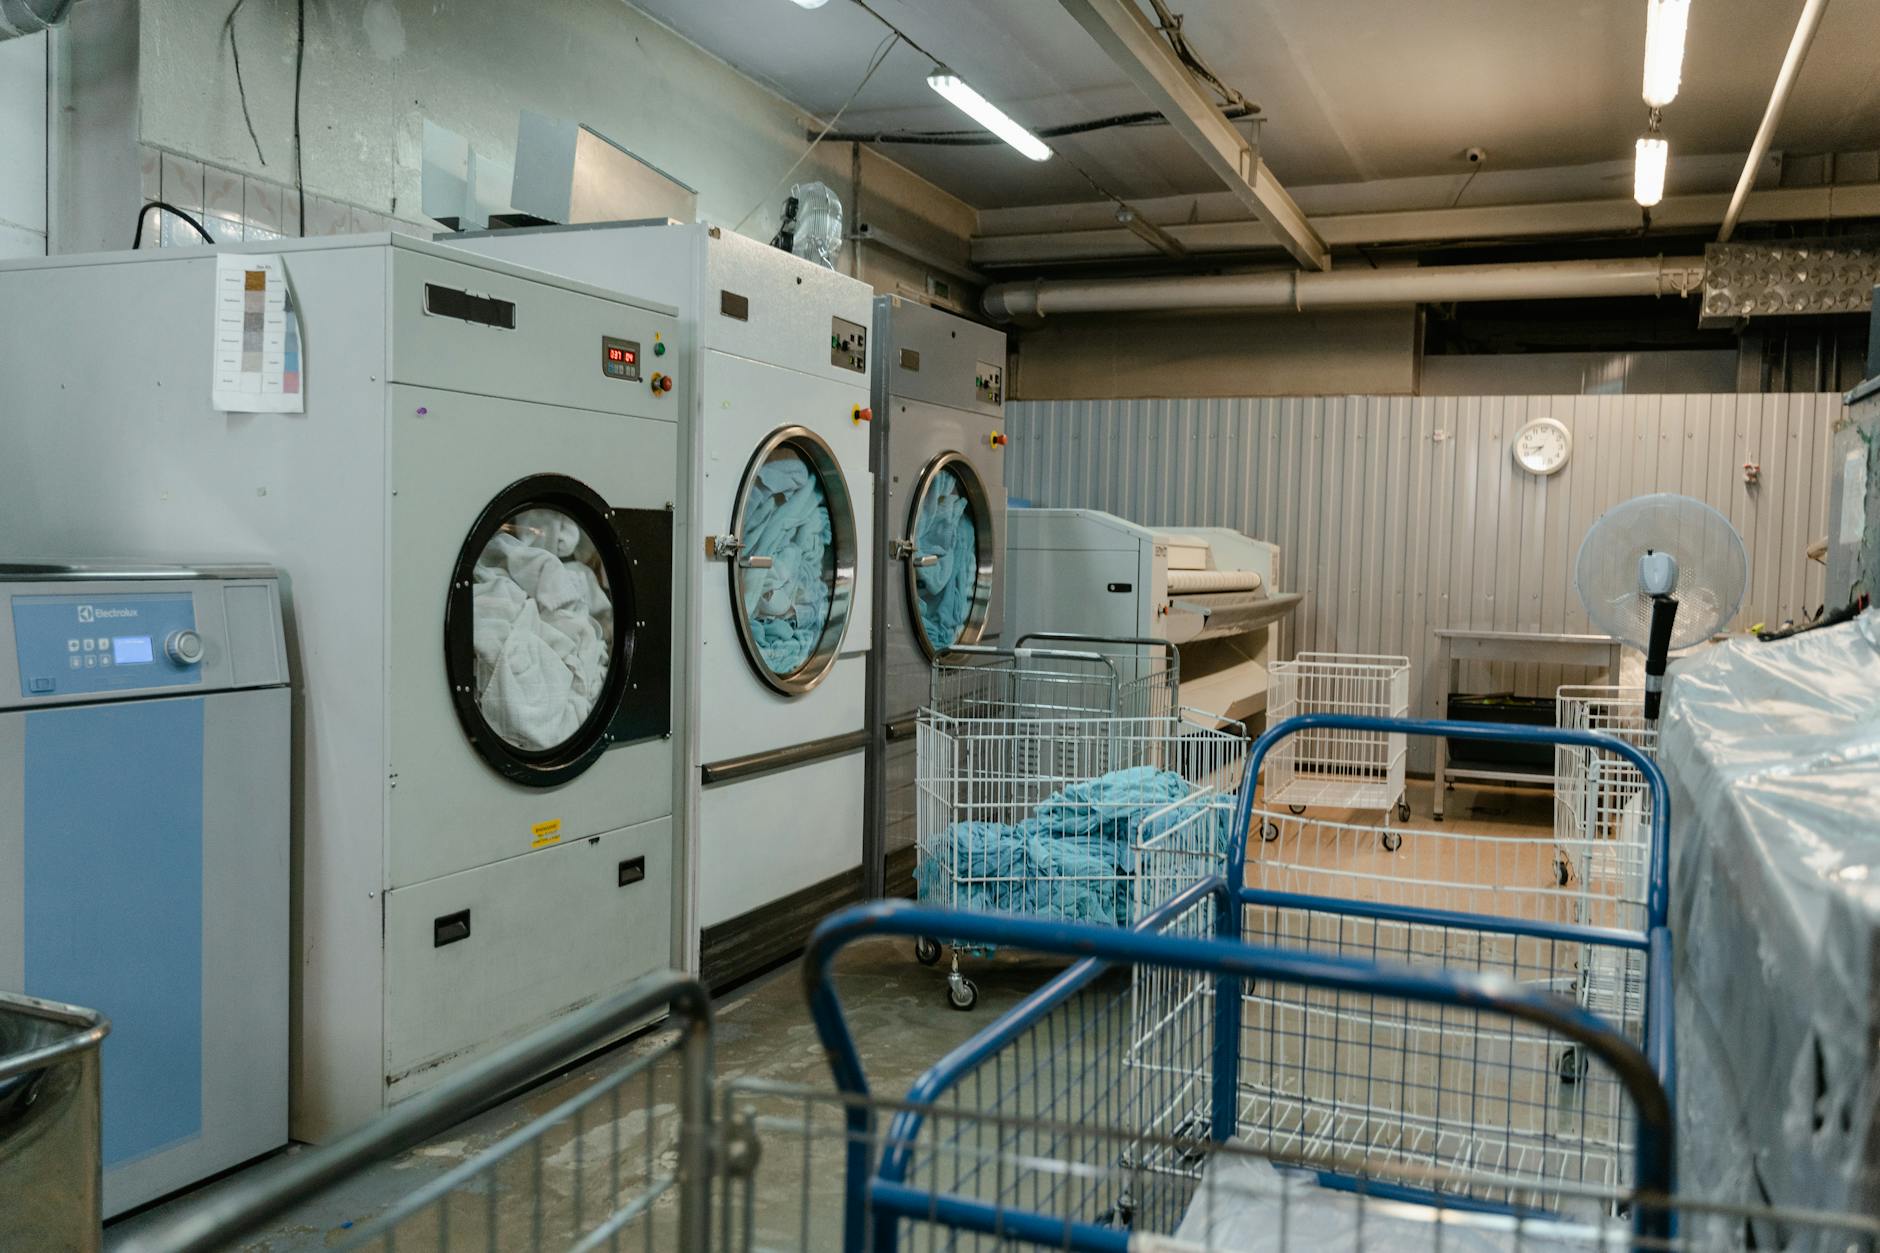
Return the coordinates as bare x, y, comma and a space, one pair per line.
236, 208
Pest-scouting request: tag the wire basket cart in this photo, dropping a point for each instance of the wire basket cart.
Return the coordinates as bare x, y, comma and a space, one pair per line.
1043, 816
1059, 676
1334, 767
1135, 1094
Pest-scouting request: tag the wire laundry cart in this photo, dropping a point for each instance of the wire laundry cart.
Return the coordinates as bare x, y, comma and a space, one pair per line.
1182, 1083
1334, 767
1410, 1040
1038, 768
1043, 816
1601, 803
1060, 675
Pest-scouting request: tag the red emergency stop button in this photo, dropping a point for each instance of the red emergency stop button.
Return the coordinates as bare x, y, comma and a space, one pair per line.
665, 382
862, 414
996, 439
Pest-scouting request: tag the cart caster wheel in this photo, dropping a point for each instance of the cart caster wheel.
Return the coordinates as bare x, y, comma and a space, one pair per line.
1269, 831
926, 950
962, 994
1392, 841
1572, 1064
1297, 809
1403, 811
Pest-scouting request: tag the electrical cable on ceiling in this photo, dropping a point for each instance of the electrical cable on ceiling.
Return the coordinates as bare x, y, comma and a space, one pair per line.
1465, 186
137, 236
905, 37
881, 54
300, 60
1185, 52
241, 89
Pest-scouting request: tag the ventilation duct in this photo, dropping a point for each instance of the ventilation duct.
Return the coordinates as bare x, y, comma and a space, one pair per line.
29, 17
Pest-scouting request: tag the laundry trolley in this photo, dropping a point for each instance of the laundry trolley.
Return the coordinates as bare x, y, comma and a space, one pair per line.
1038, 771
1334, 768
1442, 1044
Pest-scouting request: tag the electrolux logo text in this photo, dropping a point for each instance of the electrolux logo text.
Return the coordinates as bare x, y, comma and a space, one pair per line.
89, 613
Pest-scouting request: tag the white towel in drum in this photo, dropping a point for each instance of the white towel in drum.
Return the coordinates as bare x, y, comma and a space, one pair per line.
543, 631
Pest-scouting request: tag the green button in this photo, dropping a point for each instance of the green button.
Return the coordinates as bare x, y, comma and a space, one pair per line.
659, 350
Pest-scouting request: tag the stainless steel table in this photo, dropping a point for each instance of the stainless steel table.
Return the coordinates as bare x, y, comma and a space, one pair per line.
1454, 646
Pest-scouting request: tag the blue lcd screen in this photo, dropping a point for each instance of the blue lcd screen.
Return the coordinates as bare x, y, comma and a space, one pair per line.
130, 650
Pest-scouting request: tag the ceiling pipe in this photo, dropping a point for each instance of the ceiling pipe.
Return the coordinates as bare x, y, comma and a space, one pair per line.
29, 17
1307, 290
1805, 28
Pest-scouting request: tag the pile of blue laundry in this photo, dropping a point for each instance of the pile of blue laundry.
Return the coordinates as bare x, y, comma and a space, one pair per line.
1070, 859
945, 531
787, 603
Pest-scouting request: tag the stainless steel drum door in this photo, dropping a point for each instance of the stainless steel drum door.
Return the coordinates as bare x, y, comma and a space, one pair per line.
792, 555
950, 551
557, 629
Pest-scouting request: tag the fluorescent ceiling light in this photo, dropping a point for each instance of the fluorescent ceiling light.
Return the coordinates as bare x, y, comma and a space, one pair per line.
987, 114
1648, 175
1664, 49
809, 4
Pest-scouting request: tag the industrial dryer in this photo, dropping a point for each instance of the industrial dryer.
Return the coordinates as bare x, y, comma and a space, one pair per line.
939, 458
779, 558
473, 517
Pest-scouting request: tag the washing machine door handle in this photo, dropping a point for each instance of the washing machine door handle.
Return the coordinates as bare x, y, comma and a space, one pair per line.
903, 550
731, 547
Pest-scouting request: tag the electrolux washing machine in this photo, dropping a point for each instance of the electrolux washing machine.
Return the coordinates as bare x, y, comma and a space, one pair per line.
939, 458
474, 517
777, 392
144, 766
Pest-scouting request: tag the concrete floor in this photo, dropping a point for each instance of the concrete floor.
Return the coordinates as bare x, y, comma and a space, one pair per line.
897, 1010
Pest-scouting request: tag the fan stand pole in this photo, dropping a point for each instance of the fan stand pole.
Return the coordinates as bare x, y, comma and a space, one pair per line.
1658, 655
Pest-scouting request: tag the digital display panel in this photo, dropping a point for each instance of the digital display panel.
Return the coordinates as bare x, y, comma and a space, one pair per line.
131, 650
620, 358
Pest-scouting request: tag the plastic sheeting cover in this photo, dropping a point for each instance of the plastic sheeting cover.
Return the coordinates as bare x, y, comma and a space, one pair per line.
787, 603
544, 629
945, 530
1069, 858
1772, 752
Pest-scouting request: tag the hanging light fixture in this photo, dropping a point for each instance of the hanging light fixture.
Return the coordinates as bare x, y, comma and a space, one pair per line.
1665, 21
1648, 171
809, 4
987, 114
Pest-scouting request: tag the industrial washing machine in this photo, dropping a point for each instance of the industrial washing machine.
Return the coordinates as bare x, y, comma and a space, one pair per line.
776, 392
474, 516
144, 765
939, 459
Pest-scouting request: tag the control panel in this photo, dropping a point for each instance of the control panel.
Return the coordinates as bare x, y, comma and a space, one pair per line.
989, 380
620, 358
848, 345
73, 644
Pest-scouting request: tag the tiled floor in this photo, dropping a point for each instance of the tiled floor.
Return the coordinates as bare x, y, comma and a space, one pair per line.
899, 1014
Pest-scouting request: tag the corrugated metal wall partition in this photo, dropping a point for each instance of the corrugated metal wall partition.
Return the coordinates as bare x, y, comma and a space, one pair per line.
1399, 515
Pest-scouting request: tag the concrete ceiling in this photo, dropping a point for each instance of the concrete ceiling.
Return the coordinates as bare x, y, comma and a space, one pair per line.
1351, 90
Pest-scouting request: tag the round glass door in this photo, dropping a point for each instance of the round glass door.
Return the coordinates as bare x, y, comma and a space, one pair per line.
538, 636
792, 560
950, 556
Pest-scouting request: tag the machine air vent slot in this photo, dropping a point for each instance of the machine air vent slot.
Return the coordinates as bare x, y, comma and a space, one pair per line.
454, 302
450, 928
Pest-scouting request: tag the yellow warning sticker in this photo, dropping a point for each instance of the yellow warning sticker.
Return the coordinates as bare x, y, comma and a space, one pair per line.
545, 833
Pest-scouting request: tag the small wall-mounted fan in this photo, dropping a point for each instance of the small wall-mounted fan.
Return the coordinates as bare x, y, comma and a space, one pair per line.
1661, 572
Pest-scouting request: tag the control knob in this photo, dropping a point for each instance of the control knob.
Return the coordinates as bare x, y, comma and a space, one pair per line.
183, 647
